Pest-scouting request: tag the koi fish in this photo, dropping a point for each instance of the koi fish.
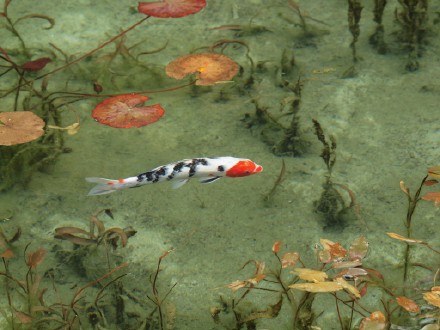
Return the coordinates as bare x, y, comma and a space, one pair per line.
206, 169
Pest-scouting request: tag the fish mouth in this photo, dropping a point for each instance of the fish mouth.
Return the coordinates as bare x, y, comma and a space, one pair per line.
258, 169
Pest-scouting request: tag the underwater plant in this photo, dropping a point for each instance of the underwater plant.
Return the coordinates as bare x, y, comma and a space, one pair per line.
291, 282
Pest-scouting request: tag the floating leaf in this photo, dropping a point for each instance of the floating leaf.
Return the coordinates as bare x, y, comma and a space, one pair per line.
408, 304
210, 68
171, 8
126, 111
376, 321
19, 127
310, 274
358, 249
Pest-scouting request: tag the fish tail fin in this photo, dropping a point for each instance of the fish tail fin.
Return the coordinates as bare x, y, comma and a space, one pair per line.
104, 186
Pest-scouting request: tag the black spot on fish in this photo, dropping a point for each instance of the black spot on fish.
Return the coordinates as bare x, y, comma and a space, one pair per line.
147, 176
194, 163
221, 168
176, 169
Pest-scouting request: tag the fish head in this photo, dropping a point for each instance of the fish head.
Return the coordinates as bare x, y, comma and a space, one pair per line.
243, 167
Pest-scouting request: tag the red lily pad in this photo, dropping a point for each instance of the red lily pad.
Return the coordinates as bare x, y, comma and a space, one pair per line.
127, 111
171, 8
210, 68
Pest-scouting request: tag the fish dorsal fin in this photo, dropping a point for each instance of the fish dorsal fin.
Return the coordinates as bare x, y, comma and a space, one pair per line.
209, 180
179, 183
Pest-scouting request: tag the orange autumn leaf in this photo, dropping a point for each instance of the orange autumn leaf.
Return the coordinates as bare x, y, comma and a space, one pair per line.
432, 196
210, 68
276, 247
408, 304
336, 249
405, 239
310, 274
434, 172
376, 321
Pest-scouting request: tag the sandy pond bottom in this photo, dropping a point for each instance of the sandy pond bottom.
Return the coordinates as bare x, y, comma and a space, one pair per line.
385, 121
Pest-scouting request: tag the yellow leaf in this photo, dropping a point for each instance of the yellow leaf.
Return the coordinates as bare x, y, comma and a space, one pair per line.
234, 286
310, 274
317, 287
405, 239
350, 288
432, 298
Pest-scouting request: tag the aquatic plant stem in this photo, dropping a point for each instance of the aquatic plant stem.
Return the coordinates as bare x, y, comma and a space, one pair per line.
81, 57
412, 204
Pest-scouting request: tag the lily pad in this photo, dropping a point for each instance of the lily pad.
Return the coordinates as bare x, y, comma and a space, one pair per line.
127, 111
171, 8
18, 127
210, 68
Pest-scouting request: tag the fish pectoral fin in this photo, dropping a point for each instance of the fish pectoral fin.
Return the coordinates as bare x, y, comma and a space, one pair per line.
209, 180
179, 183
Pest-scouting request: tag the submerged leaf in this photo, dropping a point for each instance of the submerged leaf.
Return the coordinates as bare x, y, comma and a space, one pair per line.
310, 274
432, 196
408, 304
376, 321
317, 287
289, 259
433, 297
406, 239
358, 249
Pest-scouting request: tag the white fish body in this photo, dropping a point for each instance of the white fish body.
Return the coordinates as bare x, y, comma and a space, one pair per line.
206, 169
